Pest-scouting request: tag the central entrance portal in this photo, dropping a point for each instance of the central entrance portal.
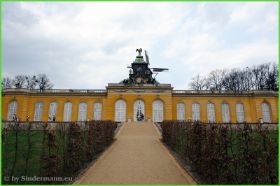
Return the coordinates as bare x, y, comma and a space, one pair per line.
139, 110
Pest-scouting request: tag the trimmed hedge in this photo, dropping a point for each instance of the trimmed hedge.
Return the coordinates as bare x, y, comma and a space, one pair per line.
225, 154
58, 150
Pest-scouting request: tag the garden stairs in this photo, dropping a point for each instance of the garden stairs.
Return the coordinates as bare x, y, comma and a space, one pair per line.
136, 157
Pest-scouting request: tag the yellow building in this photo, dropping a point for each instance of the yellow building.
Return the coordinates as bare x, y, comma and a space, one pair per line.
140, 97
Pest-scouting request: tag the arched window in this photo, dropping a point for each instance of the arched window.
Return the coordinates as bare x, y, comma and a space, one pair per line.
67, 111
38, 111
120, 111
52, 111
180, 111
12, 110
139, 108
266, 116
225, 113
157, 111
240, 113
195, 111
82, 116
211, 112
97, 113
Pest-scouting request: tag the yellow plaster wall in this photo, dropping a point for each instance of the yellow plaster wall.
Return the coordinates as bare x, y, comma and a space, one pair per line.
148, 99
273, 107
22, 105
252, 105
29, 109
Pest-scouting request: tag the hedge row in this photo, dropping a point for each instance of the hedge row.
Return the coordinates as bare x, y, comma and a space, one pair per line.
223, 154
53, 152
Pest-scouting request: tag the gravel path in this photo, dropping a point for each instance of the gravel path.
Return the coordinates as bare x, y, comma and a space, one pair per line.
136, 157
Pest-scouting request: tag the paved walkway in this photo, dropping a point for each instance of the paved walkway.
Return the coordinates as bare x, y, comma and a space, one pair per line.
136, 157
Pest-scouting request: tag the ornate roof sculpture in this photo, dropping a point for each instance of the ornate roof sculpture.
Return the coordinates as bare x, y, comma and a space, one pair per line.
140, 73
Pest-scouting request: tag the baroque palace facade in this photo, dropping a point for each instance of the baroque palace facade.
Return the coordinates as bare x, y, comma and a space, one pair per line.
140, 97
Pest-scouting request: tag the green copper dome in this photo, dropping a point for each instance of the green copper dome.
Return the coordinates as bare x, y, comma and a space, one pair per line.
139, 59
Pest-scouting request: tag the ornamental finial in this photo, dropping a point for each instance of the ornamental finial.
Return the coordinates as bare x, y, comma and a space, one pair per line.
139, 51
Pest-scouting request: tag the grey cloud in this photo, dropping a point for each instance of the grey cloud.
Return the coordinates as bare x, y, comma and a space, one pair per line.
14, 13
79, 49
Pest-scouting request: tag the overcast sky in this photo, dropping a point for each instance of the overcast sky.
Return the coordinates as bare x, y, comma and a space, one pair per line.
87, 45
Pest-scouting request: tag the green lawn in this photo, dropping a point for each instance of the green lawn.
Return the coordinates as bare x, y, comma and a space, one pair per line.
32, 165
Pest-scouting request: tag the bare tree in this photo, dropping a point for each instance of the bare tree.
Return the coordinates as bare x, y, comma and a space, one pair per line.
215, 79
260, 73
242, 80
31, 82
249, 84
19, 81
264, 71
260, 77
272, 78
198, 83
234, 81
44, 82
7, 83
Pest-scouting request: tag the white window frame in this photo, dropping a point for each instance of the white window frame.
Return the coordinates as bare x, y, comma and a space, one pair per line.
240, 114
67, 113
158, 115
12, 110
225, 113
52, 110
181, 111
38, 111
120, 111
97, 111
211, 114
82, 113
196, 112
266, 112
